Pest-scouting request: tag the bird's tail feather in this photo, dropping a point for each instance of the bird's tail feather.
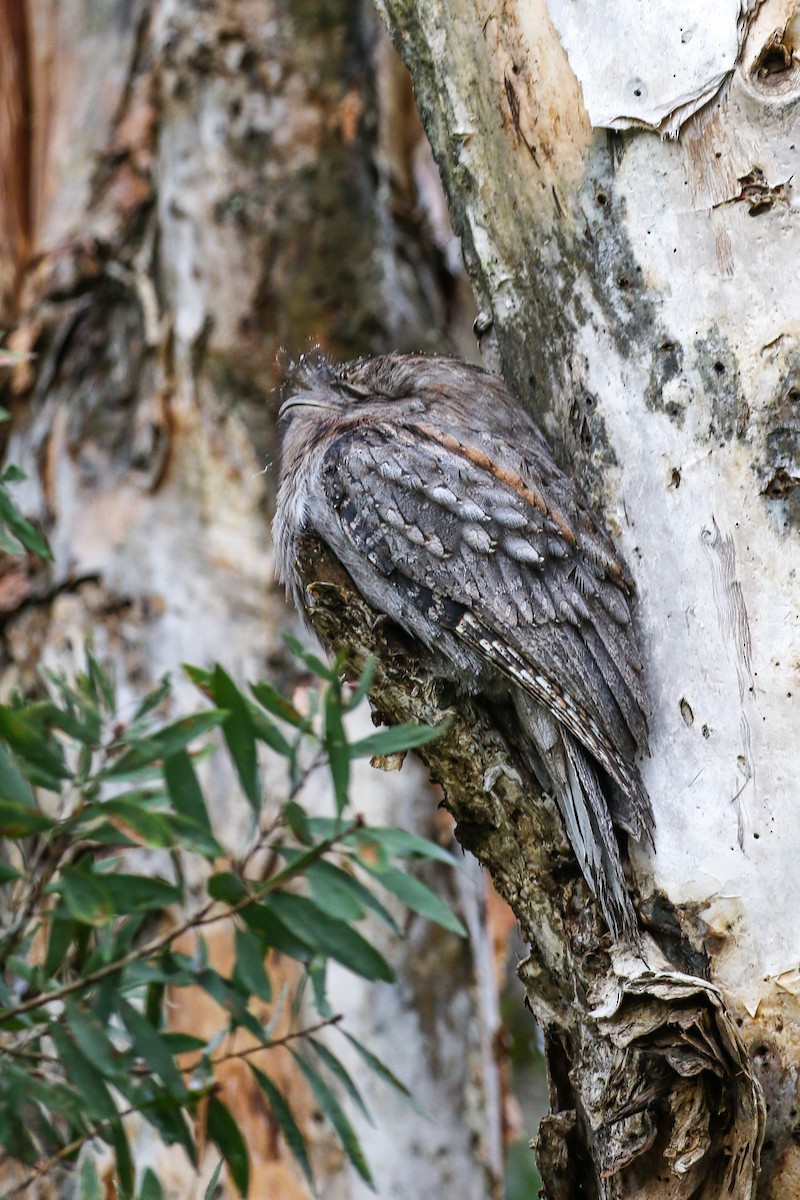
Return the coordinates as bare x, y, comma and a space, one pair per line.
573, 779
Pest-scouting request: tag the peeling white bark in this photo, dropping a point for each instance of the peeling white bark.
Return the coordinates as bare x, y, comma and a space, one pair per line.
646, 63
641, 295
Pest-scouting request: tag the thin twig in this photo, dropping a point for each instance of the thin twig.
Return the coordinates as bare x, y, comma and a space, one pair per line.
77, 1143
204, 916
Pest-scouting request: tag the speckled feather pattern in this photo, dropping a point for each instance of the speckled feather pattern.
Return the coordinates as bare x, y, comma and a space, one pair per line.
441, 498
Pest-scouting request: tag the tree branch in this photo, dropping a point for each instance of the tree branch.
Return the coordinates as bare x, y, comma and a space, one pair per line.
647, 1071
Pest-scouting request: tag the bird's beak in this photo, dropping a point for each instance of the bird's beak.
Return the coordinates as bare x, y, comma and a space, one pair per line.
302, 400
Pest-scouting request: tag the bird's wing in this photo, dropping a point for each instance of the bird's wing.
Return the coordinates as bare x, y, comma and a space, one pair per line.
477, 545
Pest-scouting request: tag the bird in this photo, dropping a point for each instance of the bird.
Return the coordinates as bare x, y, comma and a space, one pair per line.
439, 495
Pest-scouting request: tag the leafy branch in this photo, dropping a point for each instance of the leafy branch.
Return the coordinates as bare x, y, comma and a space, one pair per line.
84, 1031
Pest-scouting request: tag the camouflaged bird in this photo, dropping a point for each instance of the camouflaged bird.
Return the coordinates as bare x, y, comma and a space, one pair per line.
440, 497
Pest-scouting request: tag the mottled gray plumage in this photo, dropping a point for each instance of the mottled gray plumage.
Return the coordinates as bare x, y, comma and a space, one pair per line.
440, 497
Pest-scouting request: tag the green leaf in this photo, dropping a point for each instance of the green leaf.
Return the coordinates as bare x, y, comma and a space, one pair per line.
21, 527
63, 931
317, 972
225, 1133
331, 890
15, 1139
200, 677
146, 826
87, 1080
86, 896
364, 684
171, 1123
343, 896
165, 743
399, 843
182, 1043
27, 738
14, 788
267, 731
89, 1186
151, 1187
138, 893
147, 1044
330, 937
18, 820
122, 1153
9, 874
9, 544
238, 732
153, 698
184, 789
271, 931
101, 682
315, 665
279, 705
336, 746
383, 1072
87, 731
419, 898
336, 1115
249, 971
285, 1118
396, 739
191, 836
211, 1190
227, 887
91, 1038
339, 1072
297, 820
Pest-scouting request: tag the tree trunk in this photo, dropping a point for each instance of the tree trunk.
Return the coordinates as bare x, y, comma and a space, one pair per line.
188, 189
621, 176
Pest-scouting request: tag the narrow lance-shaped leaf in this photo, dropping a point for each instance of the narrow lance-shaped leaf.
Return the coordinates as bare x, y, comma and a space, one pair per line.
279, 705
340, 1072
17, 820
337, 1117
89, 1186
86, 896
166, 742
395, 739
364, 683
30, 741
21, 527
91, 1038
151, 1187
419, 898
336, 746
124, 1160
285, 1118
315, 665
148, 1045
399, 843
211, 1190
344, 896
383, 1072
223, 1130
238, 732
14, 787
249, 970
85, 1077
330, 937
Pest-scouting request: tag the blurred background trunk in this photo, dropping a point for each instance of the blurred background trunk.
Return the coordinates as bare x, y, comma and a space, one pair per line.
192, 191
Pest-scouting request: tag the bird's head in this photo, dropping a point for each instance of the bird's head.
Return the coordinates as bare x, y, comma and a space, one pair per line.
323, 400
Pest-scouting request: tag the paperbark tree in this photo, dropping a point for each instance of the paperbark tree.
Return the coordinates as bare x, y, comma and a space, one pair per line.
621, 175
188, 188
